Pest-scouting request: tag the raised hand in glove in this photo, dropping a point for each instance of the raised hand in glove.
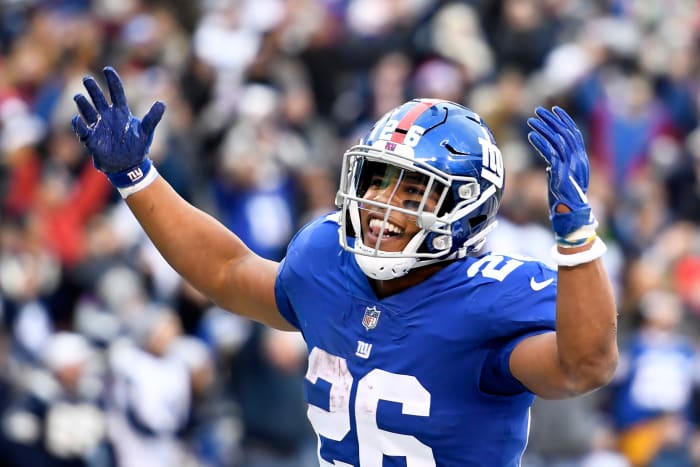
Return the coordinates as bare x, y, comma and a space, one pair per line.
116, 139
558, 140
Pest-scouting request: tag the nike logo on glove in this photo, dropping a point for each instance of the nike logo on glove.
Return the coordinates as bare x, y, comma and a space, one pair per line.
537, 286
580, 192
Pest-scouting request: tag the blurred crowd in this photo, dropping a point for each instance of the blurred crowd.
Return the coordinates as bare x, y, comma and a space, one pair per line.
108, 358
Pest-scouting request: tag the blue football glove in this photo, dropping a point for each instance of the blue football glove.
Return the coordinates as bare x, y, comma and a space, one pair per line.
557, 139
117, 140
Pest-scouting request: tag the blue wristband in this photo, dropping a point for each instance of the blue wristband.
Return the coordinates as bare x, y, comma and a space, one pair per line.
564, 223
132, 175
134, 179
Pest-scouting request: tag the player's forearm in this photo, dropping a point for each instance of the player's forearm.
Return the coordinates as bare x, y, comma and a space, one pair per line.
586, 326
208, 255
195, 244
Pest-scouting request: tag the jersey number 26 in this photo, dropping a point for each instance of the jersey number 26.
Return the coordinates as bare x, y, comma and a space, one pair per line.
373, 442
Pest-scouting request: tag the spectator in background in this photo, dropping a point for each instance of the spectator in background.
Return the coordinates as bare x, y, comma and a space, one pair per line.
21, 134
682, 186
299, 117
653, 391
523, 35
209, 434
625, 122
65, 198
572, 433
150, 398
29, 274
456, 34
268, 374
58, 420
255, 188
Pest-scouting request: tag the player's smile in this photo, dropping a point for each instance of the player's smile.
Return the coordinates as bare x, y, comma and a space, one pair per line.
393, 238
401, 189
390, 229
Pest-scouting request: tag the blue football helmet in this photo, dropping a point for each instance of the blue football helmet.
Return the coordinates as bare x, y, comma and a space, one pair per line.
452, 153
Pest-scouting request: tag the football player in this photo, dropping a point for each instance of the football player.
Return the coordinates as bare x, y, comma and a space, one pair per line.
423, 349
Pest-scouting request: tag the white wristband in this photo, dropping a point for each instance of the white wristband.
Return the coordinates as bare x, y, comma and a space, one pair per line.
150, 176
596, 251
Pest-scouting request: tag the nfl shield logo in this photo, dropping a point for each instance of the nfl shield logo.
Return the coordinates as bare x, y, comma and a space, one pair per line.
369, 321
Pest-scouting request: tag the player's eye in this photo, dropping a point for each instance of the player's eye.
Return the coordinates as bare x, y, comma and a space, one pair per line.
418, 190
376, 181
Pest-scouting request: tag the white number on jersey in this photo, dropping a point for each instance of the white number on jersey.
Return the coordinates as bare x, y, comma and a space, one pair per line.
494, 267
373, 442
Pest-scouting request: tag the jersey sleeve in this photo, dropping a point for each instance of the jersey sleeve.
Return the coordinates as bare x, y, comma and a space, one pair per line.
312, 245
523, 308
283, 304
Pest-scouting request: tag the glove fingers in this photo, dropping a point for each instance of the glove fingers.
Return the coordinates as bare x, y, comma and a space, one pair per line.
86, 109
80, 128
544, 149
98, 99
152, 117
564, 117
555, 141
116, 88
558, 127
573, 137
551, 120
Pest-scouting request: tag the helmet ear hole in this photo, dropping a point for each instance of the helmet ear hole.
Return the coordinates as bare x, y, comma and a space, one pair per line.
447, 206
476, 220
349, 230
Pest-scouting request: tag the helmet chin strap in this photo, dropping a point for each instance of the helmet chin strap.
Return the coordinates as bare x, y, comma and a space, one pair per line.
383, 268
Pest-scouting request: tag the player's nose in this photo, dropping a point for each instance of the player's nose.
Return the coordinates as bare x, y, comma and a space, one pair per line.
388, 194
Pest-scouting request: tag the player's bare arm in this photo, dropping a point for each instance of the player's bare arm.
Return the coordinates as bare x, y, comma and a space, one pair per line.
200, 248
582, 354
208, 255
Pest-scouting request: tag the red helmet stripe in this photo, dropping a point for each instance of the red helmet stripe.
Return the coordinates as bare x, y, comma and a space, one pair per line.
408, 119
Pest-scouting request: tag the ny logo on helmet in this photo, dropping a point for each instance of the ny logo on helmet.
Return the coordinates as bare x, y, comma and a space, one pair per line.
492, 162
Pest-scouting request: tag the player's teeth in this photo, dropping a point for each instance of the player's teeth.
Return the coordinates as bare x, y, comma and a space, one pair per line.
389, 227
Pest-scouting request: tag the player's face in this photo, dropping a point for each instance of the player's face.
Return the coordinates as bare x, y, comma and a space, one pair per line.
396, 187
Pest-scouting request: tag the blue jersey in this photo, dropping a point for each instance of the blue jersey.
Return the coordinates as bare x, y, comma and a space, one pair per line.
419, 378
